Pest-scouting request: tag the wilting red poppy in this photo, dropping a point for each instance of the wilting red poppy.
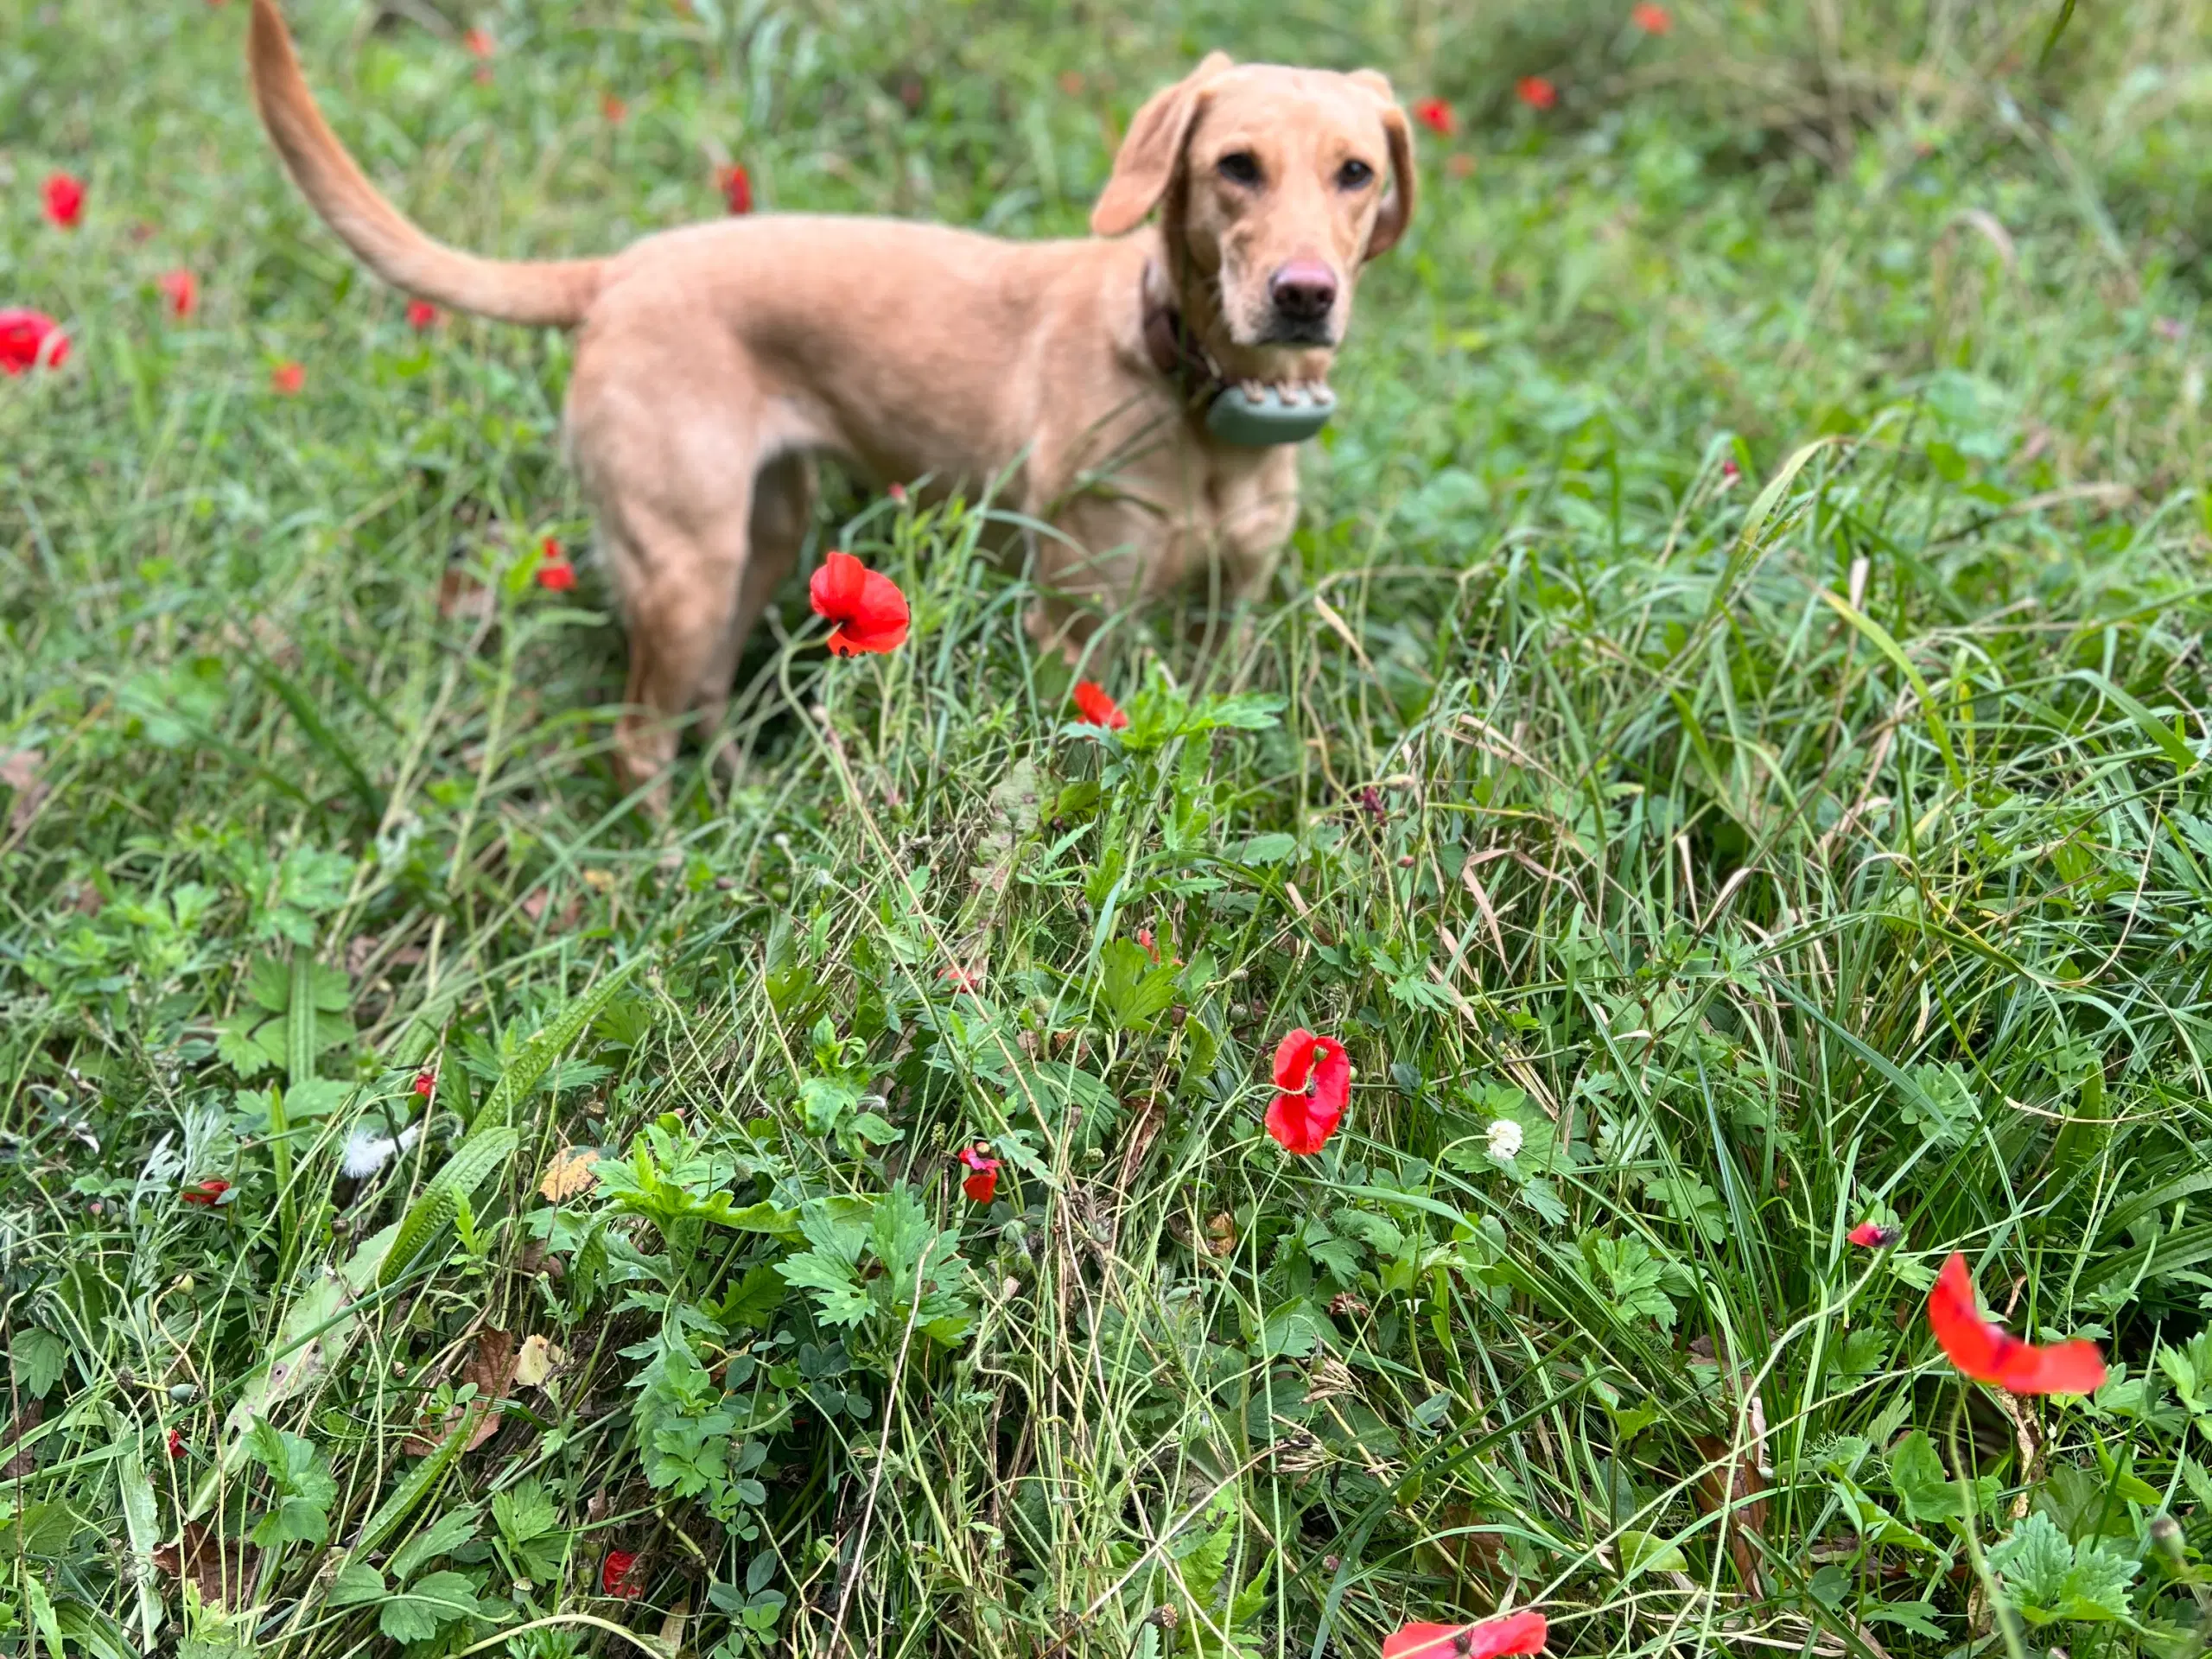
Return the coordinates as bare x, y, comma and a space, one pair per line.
1096, 708
1872, 1235
555, 573
421, 315
1535, 92
897, 493
982, 1179
426, 1083
31, 339
208, 1193
865, 605
177, 1443
182, 290
616, 1574
1437, 116
614, 109
1514, 1633
478, 42
1652, 20
1989, 1353
1315, 1077
287, 378
64, 199
737, 187
961, 979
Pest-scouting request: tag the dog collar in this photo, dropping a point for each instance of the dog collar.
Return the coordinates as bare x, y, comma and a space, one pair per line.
1232, 414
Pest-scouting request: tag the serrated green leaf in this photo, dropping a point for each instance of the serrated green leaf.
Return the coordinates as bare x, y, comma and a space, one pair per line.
524, 1512
1644, 1552
357, 1582
441, 1537
37, 1358
1923, 1491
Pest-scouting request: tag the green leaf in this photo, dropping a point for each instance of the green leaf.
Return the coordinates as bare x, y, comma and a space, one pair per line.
536, 1057
37, 1358
2097, 1588
438, 1202
415, 1614
357, 1582
2034, 1561
441, 1537
1923, 1491
236, 1047
1644, 1552
756, 1296
524, 1512
1918, 1617
1266, 850
1133, 990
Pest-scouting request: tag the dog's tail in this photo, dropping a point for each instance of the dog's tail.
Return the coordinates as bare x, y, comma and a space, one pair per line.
555, 293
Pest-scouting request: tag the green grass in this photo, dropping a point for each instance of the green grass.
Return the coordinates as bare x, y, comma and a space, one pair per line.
1735, 706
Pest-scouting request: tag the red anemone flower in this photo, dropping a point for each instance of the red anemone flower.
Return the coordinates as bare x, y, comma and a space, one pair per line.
1437, 116
1097, 708
616, 1574
981, 1180
1652, 20
1314, 1077
208, 1193
1872, 1235
421, 315
31, 339
869, 611
1535, 92
426, 1083
555, 573
287, 378
1514, 1633
64, 199
1988, 1353
736, 187
177, 1444
182, 290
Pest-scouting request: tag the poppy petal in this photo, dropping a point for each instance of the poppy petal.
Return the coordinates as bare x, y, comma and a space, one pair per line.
1514, 1633
1872, 1235
1294, 1067
1987, 1353
1331, 1077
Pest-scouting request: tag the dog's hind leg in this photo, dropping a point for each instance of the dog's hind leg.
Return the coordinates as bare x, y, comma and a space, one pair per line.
783, 507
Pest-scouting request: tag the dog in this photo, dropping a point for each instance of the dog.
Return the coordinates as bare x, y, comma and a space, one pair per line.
714, 363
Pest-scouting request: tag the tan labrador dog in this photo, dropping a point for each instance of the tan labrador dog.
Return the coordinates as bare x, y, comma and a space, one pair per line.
713, 362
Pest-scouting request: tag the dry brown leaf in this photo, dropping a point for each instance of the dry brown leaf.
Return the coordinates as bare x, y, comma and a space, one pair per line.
491, 1367
537, 1361
1221, 1233
460, 594
19, 770
534, 902
222, 1567
28, 1417
569, 1173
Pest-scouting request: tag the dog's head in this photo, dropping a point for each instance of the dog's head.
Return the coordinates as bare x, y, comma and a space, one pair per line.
1275, 186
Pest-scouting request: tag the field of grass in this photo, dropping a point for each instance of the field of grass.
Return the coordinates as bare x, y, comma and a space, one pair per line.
1735, 708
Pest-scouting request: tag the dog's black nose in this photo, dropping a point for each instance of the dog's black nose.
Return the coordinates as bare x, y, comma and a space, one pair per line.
1303, 290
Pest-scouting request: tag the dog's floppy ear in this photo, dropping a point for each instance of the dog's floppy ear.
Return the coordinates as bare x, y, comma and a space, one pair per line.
1397, 210
1152, 150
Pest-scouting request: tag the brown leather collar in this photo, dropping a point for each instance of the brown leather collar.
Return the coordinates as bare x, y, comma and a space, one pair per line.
1184, 363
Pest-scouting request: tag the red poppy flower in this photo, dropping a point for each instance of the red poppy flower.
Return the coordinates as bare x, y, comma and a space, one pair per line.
1989, 1353
1872, 1235
1314, 1077
426, 1083
866, 606
65, 200
1730, 471
736, 187
182, 290
1514, 1633
1098, 709
177, 1444
1437, 116
31, 339
287, 377
555, 572
983, 1177
617, 1574
1535, 92
961, 979
897, 492
478, 42
1652, 20
421, 315
207, 1193
614, 109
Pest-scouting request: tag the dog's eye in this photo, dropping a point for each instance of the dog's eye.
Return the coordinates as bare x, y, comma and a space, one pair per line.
1239, 166
1355, 176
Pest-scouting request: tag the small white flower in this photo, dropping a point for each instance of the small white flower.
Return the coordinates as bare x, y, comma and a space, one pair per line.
1504, 1139
366, 1152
